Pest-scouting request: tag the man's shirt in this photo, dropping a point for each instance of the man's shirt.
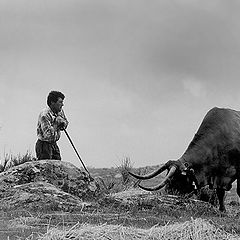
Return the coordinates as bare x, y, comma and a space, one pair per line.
47, 127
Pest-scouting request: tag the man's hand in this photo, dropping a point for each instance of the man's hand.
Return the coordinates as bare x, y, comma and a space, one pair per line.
60, 122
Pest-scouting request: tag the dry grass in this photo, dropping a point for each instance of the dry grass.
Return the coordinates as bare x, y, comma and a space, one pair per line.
128, 213
11, 160
198, 229
23, 222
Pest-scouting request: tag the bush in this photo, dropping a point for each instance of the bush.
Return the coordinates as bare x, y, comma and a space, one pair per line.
125, 167
11, 161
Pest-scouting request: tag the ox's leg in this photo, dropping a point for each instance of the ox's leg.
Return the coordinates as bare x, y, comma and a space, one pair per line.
221, 193
238, 187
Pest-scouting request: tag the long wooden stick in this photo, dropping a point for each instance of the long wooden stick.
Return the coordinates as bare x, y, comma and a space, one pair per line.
70, 140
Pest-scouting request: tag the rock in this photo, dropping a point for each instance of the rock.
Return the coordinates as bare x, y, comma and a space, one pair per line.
39, 196
50, 184
141, 199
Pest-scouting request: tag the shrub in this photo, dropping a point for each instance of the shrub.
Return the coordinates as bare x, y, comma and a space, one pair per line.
125, 167
11, 160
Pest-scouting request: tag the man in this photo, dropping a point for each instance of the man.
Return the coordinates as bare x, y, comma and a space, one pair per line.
51, 121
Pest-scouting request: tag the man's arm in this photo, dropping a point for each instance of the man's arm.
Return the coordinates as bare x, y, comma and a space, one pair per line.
49, 130
61, 121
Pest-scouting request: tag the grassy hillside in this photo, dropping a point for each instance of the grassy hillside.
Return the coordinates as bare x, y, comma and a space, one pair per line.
137, 219
122, 211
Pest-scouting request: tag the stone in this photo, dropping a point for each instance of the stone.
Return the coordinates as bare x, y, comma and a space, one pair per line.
48, 184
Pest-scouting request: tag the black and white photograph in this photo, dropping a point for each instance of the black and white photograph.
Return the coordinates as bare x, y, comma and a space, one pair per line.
119, 119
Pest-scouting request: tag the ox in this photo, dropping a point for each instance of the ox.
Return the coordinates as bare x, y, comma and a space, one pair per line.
212, 158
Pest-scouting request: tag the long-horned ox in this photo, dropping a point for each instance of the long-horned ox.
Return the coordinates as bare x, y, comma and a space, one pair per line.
212, 158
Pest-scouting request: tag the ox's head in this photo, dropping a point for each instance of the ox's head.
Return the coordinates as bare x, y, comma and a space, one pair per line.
179, 179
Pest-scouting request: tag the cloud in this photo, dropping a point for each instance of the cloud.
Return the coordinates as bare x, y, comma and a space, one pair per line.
121, 65
195, 87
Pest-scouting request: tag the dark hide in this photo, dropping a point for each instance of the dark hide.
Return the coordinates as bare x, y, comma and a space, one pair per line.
183, 185
214, 152
212, 158
175, 185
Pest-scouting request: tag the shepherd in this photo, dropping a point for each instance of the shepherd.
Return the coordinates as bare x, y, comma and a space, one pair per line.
51, 122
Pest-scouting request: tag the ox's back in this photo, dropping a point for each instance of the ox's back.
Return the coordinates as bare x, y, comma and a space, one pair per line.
220, 120
218, 134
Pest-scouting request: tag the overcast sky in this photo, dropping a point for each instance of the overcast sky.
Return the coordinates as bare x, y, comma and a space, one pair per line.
138, 75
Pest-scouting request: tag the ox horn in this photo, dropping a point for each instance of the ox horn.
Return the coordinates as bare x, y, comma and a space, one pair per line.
151, 175
163, 183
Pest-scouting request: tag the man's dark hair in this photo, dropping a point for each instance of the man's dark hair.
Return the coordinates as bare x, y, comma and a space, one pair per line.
53, 97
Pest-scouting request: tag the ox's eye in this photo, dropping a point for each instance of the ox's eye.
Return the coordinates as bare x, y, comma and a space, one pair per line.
186, 165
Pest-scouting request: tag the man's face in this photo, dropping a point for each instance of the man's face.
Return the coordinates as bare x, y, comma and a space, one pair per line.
57, 106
